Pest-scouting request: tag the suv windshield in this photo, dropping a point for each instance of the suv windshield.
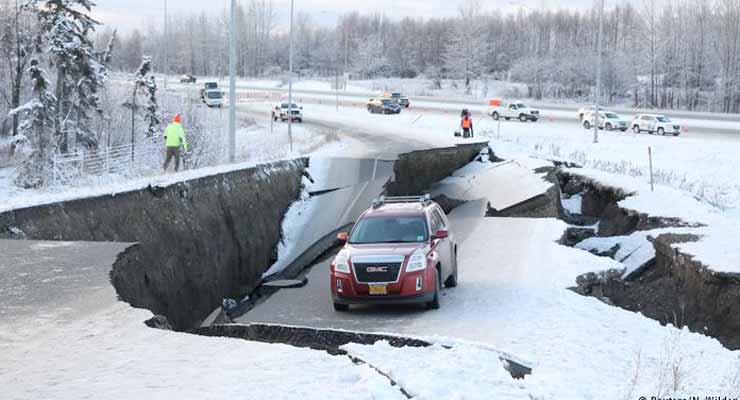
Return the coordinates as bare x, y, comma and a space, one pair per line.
214, 94
611, 115
664, 119
389, 230
211, 85
387, 102
396, 95
285, 106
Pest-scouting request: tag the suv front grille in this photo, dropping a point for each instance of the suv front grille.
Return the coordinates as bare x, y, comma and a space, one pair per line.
377, 272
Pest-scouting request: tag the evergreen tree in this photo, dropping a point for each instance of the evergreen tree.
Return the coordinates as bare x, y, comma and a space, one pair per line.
80, 70
37, 117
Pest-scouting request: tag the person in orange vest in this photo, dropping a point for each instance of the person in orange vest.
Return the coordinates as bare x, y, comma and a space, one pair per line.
467, 125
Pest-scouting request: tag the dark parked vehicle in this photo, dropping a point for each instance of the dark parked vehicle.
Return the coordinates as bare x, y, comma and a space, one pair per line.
399, 99
187, 78
383, 106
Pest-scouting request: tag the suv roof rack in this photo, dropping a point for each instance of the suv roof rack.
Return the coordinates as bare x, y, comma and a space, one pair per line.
424, 200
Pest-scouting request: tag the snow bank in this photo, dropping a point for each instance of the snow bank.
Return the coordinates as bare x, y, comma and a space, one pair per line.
635, 250
113, 355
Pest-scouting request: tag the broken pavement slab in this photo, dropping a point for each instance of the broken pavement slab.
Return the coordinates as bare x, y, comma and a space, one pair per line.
511, 188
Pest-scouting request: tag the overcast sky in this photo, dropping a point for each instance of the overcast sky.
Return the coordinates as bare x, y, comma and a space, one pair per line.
129, 14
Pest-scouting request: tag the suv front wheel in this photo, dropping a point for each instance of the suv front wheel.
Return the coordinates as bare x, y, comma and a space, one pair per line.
434, 304
452, 279
636, 128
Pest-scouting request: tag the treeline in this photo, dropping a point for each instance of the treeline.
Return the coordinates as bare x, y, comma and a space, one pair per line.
667, 54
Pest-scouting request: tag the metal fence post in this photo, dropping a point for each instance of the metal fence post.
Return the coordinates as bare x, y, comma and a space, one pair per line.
54, 169
81, 154
107, 160
650, 156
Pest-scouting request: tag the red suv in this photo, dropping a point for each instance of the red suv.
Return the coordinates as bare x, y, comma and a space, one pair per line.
400, 251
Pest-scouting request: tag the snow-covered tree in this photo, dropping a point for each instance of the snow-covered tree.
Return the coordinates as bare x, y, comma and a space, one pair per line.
370, 60
467, 48
37, 117
80, 70
144, 80
17, 44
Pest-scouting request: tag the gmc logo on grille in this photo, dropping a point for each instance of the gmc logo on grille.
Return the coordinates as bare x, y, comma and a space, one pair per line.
376, 269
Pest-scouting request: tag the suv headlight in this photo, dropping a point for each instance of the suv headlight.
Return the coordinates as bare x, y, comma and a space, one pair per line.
341, 264
417, 261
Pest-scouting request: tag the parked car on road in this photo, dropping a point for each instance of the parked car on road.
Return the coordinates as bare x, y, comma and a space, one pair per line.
655, 123
514, 109
187, 78
608, 120
213, 98
383, 106
281, 111
401, 250
398, 98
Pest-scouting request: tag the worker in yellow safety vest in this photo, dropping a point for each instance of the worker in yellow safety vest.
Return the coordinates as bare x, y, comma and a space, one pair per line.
174, 137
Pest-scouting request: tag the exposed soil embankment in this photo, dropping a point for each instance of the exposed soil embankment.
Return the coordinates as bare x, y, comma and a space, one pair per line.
415, 172
601, 203
672, 288
198, 241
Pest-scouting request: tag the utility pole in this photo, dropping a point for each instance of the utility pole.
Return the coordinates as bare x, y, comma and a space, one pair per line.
164, 67
232, 83
598, 72
290, 81
346, 53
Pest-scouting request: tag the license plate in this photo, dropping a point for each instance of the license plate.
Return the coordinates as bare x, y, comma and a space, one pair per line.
376, 290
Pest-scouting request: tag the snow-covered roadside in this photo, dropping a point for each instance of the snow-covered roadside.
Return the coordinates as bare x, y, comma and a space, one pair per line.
256, 144
112, 355
702, 166
717, 245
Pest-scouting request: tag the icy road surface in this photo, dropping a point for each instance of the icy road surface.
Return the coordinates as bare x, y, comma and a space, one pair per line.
513, 296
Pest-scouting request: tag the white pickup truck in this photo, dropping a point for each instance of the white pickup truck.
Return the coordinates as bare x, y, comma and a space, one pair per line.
280, 112
514, 109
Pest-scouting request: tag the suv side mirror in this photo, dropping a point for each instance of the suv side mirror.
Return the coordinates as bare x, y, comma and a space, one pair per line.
343, 236
441, 234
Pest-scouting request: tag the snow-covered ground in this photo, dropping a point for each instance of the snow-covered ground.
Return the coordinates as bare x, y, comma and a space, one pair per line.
112, 355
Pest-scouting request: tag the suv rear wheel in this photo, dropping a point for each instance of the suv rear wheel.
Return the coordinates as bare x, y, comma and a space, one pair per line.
523, 118
661, 131
636, 128
586, 124
495, 116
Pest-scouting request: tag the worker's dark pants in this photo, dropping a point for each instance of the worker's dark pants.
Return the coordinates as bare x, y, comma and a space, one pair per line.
172, 152
467, 132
